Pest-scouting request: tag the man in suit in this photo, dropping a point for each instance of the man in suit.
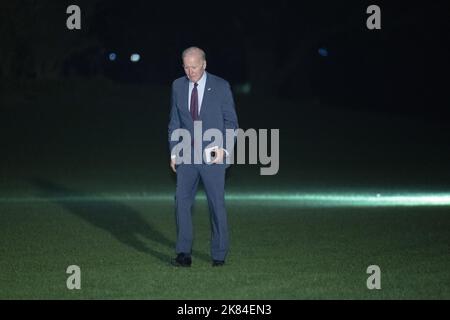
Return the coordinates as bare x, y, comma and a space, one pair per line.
200, 98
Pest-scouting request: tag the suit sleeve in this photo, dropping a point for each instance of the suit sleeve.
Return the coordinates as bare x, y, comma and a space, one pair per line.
174, 121
229, 115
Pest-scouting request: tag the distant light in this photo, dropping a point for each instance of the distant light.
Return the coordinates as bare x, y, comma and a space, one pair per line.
243, 88
112, 56
135, 57
323, 52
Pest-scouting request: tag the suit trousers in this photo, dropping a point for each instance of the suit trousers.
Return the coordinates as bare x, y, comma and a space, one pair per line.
213, 179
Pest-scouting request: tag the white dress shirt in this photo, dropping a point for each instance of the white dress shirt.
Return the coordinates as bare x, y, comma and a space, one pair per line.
200, 90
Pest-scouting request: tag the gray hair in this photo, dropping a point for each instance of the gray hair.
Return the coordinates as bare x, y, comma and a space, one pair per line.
193, 50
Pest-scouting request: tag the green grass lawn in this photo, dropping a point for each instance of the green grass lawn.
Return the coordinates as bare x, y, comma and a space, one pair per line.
109, 140
277, 252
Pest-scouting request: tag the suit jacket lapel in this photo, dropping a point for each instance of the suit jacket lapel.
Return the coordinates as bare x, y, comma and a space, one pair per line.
206, 94
185, 95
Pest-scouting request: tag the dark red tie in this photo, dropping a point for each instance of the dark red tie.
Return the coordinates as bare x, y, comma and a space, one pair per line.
194, 102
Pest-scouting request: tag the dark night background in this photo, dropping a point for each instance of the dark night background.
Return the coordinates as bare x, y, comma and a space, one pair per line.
372, 112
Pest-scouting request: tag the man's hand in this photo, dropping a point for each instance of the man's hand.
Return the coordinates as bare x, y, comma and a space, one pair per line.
172, 164
219, 156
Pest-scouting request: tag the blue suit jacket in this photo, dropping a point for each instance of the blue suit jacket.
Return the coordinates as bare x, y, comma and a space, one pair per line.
217, 109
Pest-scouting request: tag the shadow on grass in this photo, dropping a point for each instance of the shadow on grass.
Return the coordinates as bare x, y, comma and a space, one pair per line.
121, 221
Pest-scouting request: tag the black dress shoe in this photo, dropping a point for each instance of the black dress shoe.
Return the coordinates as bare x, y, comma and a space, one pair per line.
218, 263
182, 260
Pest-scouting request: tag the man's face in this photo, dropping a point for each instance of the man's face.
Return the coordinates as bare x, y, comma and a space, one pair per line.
194, 66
